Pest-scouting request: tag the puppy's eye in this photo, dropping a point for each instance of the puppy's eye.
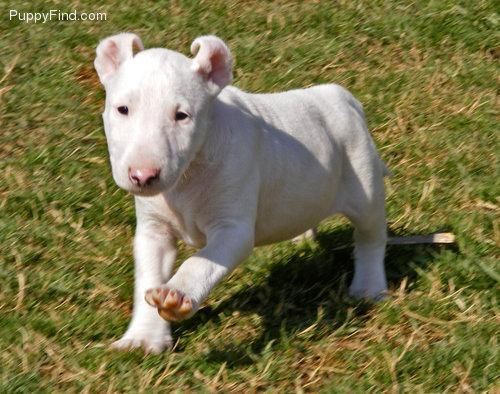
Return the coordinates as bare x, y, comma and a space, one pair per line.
179, 115
123, 110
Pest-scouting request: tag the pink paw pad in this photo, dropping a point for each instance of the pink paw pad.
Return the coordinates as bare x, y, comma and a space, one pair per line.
172, 305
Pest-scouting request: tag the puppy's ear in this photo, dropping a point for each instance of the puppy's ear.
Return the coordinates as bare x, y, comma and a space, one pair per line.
213, 61
113, 51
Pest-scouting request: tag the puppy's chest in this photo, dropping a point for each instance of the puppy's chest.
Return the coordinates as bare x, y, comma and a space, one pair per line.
178, 214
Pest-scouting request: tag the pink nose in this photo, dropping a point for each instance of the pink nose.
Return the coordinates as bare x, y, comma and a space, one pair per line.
143, 176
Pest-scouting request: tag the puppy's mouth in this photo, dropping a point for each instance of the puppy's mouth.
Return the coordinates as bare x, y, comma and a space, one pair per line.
145, 191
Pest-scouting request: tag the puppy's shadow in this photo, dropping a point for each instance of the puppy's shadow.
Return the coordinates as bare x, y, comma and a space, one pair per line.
306, 285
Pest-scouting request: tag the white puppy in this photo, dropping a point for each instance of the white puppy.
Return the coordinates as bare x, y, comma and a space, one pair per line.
225, 170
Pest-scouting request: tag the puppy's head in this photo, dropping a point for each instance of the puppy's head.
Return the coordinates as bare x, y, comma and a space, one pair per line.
157, 107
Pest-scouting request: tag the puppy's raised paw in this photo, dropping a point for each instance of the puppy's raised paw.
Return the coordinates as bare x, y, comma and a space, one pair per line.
172, 305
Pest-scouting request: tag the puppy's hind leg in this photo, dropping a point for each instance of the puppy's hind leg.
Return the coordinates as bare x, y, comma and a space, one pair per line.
369, 273
367, 213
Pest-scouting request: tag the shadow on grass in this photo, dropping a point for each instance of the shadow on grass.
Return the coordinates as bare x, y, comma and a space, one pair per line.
305, 287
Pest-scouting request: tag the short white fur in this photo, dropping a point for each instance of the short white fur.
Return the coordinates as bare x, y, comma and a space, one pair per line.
242, 170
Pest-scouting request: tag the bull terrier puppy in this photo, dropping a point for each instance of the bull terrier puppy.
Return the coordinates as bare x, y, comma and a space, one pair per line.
224, 170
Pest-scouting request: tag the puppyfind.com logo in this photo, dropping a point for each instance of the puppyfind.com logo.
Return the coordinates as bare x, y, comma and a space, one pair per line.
56, 16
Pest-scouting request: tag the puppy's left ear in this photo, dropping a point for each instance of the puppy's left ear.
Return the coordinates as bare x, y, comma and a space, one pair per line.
213, 61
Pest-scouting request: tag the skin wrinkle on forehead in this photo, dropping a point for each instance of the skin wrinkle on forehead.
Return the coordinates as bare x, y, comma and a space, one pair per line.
154, 84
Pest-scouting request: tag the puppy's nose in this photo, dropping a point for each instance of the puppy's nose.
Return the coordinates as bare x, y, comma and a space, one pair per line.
143, 176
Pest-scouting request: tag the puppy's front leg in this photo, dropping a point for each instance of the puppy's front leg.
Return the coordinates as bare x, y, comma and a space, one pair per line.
227, 246
155, 252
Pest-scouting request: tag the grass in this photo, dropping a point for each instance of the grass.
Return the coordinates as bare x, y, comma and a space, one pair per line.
427, 73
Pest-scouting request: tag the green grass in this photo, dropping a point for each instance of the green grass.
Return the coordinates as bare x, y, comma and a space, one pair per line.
427, 74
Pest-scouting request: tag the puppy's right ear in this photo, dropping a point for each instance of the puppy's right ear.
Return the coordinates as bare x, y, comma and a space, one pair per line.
113, 51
